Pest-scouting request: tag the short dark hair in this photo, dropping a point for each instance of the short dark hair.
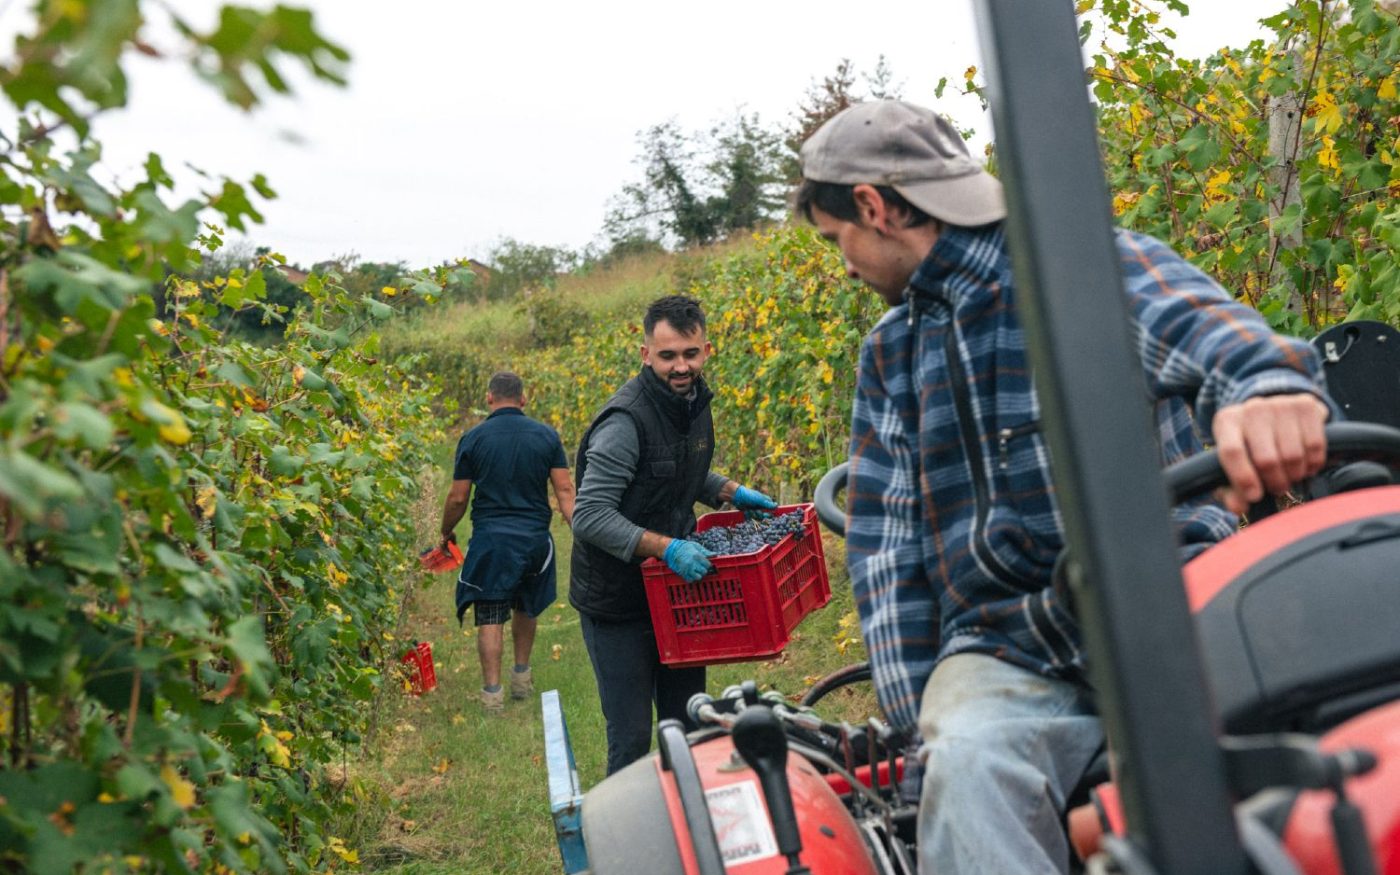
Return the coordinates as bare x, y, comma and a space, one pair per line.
838, 201
681, 311
506, 385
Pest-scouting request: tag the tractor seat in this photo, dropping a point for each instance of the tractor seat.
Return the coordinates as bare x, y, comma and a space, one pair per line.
1298, 615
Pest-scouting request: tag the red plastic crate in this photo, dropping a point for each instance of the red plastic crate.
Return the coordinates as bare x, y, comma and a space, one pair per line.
422, 676
747, 607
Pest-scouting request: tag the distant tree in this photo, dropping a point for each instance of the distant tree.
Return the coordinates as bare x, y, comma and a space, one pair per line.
697, 188
666, 202
517, 267
881, 83
240, 254
605, 253
747, 166
832, 94
238, 261
362, 278
822, 101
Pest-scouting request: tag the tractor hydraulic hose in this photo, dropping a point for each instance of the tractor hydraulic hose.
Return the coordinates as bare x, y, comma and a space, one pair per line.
851, 674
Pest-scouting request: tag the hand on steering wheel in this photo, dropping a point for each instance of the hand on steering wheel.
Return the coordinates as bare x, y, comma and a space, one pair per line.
1346, 441
1268, 443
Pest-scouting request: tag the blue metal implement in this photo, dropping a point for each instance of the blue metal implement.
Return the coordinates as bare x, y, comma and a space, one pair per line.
565, 791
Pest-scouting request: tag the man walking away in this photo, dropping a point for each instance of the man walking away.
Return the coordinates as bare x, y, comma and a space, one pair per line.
508, 572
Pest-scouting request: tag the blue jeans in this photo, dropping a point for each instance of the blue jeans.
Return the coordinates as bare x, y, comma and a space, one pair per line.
1003, 748
630, 678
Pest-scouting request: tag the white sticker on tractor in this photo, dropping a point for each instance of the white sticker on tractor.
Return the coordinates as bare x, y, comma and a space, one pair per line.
741, 823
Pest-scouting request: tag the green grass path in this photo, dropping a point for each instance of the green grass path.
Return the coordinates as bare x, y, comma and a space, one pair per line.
444, 788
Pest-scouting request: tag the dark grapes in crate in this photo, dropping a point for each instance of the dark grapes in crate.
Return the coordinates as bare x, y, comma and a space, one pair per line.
749, 536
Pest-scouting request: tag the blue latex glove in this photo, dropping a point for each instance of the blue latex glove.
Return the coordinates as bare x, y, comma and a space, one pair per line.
688, 559
748, 500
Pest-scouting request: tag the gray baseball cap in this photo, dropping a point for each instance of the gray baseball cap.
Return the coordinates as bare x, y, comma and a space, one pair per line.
911, 149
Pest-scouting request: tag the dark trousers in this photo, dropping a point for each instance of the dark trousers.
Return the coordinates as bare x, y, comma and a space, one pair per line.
630, 679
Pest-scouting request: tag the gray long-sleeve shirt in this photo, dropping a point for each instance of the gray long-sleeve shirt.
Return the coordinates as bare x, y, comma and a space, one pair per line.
613, 451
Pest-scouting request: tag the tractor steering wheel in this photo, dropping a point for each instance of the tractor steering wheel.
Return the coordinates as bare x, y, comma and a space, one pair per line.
1202, 474
1346, 442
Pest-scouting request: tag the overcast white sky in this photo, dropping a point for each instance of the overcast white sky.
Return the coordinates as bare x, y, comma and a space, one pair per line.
467, 122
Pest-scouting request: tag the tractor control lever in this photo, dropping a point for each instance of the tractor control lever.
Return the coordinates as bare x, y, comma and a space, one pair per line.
1255, 763
760, 740
802, 719
701, 710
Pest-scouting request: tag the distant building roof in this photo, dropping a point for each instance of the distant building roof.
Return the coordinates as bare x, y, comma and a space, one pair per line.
294, 275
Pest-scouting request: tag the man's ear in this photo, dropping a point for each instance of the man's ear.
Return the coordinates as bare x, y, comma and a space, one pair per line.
871, 208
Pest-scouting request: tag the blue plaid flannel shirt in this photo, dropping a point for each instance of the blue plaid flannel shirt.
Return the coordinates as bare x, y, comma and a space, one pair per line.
953, 527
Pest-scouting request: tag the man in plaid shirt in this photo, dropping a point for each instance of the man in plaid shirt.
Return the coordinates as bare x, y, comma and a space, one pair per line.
953, 527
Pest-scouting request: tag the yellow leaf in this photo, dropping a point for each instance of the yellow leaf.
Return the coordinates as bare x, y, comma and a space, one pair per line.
1327, 155
1344, 275
442, 766
1327, 115
1215, 185
207, 500
388, 291
270, 743
181, 791
556, 652
170, 424
1387, 90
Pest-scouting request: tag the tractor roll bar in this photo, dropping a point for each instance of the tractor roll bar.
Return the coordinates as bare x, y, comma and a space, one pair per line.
1125, 574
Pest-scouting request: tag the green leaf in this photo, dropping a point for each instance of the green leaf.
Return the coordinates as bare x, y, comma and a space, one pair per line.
70, 278
231, 805
34, 794
84, 423
159, 223
1289, 221
233, 373
248, 644
378, 309
1221, 214
155, 172
232, 201
173, 560
283, 462
260, 185
32, 485
313, 381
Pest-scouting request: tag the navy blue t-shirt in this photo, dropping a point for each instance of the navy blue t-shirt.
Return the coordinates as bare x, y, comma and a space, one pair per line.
508, 458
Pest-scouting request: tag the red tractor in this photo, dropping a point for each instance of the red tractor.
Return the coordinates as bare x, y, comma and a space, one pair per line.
1252, 708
